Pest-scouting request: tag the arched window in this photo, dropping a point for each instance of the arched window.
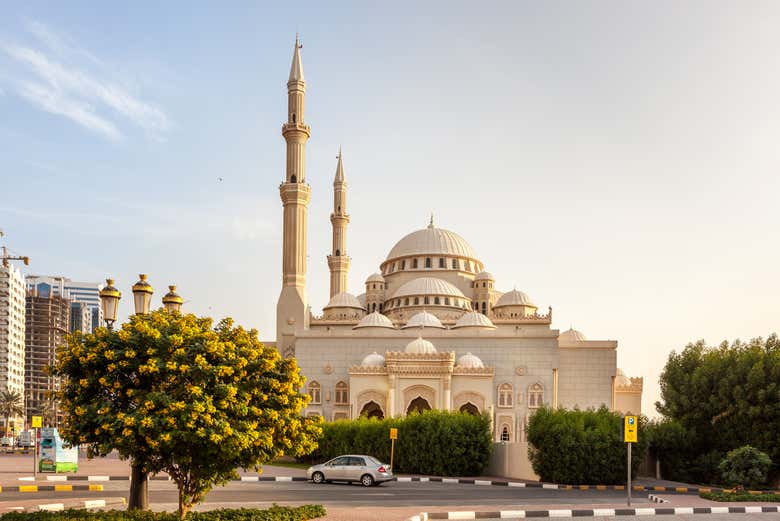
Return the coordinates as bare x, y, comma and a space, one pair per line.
442, 263
484, 309
380, 307
505, 434
436, 300
314, 392
535, 396
455, 264
293, 179
342, 394
416, 300
484, 285
427, 262
293, 117
373, 307
426, 301
338, 253
505, 395
392, 267
414, 263
469, 408
403, 264
372, 410
446, 301
418, 405
406, 301
467, 265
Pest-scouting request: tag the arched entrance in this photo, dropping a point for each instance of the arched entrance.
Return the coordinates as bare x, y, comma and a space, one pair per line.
418, 405
372, 410
469, 408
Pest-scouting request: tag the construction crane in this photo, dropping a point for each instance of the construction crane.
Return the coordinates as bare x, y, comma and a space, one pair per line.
6, 259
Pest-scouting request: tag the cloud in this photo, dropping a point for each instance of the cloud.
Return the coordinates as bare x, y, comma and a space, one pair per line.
89, 99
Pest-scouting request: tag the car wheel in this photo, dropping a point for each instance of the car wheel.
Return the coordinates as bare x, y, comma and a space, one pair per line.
318, 477
367, 480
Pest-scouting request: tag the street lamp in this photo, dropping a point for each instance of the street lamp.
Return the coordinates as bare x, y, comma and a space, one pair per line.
172, 301
142, 294
109, 301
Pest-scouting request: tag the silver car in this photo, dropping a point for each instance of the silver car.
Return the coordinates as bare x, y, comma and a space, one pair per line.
352, 467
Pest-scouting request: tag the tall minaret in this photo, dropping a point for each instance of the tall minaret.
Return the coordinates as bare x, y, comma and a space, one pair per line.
338, 261
292, 313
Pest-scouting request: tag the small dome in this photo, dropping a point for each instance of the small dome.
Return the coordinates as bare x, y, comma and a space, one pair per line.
470, 361
373, 360
362, 299
474, 319
428, 286
572, 335
484, 275
420, 346
424, 319
376, 277
514, 298
621, 379
344, 300
375, 319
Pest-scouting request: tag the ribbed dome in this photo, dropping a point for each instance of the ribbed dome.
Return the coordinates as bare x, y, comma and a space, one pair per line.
373, 360
420, 346
572, 335
423, 319
470, 361
474, 319
514, 298
362, 299
621, 379
484, 275
375, 319
432, 241
428, 286
375, 277
344, 300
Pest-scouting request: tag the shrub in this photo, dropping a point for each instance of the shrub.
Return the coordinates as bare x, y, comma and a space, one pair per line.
275, 513
581, 447
745, 467
437, 443
744, 496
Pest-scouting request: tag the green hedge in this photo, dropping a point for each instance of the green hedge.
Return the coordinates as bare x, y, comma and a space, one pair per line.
436, 443
741, 496
275, 513
581, 447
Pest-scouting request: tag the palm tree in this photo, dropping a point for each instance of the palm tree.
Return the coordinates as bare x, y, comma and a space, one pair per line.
49, 409
11, 404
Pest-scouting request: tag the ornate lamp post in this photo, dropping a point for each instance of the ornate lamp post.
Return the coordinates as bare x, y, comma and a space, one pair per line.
142, 295
172, 301
109, 301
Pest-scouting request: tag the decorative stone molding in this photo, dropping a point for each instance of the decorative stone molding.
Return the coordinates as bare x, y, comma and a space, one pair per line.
634, 387
367, 370
328, 369
473, 371
520, 370
465, 397
423, 391
371, 395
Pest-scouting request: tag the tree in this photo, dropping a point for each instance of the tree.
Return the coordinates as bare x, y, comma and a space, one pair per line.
176, 395
733, 390
11, 404
745, 467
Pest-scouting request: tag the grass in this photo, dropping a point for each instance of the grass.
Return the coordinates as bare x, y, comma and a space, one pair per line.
290, 464
740, 496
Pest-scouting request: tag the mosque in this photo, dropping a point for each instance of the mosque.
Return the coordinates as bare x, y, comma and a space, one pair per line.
431, 330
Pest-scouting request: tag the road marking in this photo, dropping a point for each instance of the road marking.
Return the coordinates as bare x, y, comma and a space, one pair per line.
63, 488
461, 515
27, 478
404, 480
559, 513
482, 482
284, 478
606, 512
548, 485
683, 510
56, 478
52, 507
28, 488
516, 484
512, 514
96, 488
97, 478
250, 478
753, 510
644, 512
95, 503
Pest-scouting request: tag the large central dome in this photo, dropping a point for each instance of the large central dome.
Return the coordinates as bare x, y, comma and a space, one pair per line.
432, 241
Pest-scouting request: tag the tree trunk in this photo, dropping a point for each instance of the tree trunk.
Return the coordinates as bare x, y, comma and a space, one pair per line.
139, 488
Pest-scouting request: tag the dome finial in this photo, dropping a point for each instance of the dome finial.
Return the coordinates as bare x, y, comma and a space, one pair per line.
430, 224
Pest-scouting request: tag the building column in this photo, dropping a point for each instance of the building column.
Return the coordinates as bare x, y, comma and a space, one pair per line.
555, 388
447, 395
391, 396
612, 406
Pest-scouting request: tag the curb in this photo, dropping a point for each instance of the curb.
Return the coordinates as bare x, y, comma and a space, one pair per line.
52, 488
95, 503
78, 478
602, 512
656, 499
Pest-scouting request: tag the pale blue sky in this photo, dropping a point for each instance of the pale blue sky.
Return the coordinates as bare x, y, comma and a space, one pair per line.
616, 160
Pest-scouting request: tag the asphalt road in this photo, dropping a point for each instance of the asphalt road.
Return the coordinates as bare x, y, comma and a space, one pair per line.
392, 494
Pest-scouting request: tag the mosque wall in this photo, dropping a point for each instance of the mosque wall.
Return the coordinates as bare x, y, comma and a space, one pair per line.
585, 377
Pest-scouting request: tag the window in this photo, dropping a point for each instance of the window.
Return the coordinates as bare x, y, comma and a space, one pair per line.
484, 285
505, 435
392, 267
414, 263
406, 301
314, 392
342, 394
373, 286
403, 264
467, 265
505, 395
455, 264
373, 307
416, 300
426, 301
446, 301
442, 263
535, 396
484, 309
427, 262
338, 253
436, 300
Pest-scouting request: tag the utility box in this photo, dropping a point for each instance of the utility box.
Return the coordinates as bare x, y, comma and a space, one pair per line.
56, 455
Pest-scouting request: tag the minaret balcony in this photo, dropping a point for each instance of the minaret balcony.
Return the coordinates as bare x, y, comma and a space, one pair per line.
296, 127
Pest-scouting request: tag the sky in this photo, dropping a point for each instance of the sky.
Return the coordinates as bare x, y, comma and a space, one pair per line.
617, 161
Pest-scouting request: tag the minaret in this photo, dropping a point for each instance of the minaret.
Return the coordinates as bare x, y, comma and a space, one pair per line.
338, 261
292, 313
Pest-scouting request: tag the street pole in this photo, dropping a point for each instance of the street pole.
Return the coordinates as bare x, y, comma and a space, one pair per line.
628, 465
35, 457
392, 450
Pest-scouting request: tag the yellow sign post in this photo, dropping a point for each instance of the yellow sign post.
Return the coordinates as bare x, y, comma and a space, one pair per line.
630, 435
37, 422
393, 437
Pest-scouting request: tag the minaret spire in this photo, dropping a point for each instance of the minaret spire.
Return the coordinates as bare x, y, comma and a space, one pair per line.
292, 313
338, 261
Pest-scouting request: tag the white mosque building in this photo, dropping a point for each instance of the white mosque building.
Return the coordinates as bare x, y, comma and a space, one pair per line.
431, 329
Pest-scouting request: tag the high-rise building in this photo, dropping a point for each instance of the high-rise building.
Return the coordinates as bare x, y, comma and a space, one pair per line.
12, 329
82, 292
80, 317
47, 323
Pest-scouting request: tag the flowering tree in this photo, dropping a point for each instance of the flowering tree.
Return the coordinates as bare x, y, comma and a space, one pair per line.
176, 395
